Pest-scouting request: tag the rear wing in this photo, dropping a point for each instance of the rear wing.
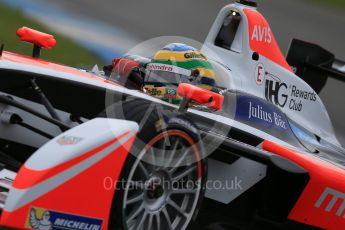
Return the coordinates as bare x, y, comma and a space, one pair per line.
314, 64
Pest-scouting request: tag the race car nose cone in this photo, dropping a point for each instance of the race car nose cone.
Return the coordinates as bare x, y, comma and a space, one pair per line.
248, 3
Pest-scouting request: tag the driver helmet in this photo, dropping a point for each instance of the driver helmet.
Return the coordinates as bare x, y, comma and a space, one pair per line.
174, 64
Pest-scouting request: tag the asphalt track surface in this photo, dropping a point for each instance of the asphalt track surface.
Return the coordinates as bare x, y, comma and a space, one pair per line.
193, 18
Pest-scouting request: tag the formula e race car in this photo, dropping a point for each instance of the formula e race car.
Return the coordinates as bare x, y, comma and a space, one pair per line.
81, 150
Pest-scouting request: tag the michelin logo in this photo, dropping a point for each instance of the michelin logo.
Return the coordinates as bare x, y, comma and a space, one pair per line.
40, 224
41, 219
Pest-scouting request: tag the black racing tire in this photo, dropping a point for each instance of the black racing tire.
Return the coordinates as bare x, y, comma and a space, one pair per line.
160, 201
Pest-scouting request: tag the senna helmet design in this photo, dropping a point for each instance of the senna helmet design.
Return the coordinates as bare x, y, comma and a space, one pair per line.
174, 64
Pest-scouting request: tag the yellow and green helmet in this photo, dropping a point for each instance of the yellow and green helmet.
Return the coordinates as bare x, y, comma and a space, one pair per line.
174, 64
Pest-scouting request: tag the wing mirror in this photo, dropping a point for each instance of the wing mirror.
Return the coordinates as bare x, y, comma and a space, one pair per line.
39, 39
202, 96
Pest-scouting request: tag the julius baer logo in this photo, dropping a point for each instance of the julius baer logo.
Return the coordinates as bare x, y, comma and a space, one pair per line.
289, 96
253, 111
42, 219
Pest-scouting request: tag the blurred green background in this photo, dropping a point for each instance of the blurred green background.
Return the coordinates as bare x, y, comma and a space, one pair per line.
332, 3
65, 51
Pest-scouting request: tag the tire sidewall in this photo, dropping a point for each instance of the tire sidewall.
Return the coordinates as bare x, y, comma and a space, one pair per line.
172, 120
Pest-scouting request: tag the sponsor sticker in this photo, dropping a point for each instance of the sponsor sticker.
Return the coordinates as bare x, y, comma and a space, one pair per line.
262, 34
332, 201
257, 113
194, 55
170, 93
260, 74
167, 68
290, 96
69, 140
43, 219
155, 91
161, 67
165, 93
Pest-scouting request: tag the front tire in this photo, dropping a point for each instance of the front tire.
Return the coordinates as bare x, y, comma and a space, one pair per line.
163, 181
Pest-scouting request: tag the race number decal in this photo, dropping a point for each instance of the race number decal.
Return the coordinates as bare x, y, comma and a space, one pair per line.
260, 74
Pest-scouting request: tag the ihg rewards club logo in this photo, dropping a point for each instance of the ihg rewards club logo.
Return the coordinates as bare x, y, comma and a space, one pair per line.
289, 96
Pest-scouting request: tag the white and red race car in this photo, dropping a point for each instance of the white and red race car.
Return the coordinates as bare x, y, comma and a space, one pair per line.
80, 151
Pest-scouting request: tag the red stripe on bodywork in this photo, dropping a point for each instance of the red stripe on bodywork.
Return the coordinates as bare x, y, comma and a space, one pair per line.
323, 175
87, 194
22, 59
27, 177
262, 40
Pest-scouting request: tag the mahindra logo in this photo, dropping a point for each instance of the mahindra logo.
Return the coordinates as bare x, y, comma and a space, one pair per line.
274, 92
335, 198
160, 67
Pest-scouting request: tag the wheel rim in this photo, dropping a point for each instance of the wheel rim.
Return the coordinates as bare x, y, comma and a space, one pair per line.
164, 184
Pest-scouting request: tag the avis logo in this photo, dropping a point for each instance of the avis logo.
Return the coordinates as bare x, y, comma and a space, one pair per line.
262, 34
275, 92
331, 203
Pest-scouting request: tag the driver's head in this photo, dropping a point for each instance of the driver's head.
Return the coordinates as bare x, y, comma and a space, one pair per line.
174, 64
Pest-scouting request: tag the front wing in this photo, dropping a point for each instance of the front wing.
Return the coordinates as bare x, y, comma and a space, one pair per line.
69, 183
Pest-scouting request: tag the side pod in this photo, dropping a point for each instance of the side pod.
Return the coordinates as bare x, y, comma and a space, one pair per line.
69, 183
322, 202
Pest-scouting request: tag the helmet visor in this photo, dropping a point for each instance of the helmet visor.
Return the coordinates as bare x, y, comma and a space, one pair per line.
163, 77
157, 77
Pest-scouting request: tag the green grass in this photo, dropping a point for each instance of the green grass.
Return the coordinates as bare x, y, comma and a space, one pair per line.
336, 3
339, 4
65, 51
